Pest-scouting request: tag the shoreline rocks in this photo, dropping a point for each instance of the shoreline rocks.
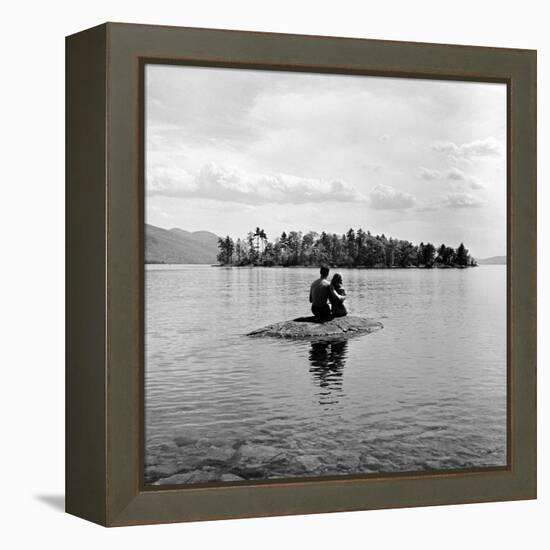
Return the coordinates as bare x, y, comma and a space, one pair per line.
242, 460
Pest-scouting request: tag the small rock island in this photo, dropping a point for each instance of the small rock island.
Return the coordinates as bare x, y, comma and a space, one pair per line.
308, 328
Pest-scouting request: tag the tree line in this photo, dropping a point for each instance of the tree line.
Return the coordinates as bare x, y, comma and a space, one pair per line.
350, 249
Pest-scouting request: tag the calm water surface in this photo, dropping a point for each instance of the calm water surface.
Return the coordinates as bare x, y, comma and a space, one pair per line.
426, 392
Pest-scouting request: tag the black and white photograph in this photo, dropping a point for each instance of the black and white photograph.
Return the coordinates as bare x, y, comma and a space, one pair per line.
274, 275
325, 275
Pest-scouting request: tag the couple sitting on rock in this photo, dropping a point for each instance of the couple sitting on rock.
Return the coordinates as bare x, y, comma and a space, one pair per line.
327, 298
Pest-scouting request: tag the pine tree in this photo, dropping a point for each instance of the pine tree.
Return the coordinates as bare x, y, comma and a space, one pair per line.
428, 255
462, 255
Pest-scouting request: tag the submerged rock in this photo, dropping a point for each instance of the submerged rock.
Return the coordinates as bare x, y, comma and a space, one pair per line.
219, 455
166, 469
195, 476
308, 328
230, 477
254, 455
310, 463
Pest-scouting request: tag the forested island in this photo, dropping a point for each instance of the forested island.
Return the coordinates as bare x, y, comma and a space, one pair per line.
351, 249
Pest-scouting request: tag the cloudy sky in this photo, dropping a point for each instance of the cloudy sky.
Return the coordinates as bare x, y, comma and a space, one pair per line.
228, 150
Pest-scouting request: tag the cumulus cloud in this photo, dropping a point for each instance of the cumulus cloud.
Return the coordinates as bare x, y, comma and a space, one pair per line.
474, 183
462, 200
168, 180
234, 185
430, 175
454, 174
428, 207
452, 200
489, 147
456, 177
385, 197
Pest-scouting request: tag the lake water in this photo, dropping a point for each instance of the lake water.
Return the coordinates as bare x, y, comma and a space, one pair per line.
426, 392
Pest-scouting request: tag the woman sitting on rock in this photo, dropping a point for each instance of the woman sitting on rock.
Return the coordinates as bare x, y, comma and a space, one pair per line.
337, 296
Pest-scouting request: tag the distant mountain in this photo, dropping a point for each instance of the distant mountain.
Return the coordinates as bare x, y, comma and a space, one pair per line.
493, 260
205, 237
177, 246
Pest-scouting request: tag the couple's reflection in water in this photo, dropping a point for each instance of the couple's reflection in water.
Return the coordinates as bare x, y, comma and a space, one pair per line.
327, 361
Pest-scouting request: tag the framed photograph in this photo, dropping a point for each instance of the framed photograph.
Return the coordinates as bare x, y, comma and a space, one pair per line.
301, 274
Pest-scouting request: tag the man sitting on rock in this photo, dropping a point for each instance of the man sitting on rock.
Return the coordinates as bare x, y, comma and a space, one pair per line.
319, 295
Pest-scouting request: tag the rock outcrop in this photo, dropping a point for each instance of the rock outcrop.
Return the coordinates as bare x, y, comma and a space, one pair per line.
308, 328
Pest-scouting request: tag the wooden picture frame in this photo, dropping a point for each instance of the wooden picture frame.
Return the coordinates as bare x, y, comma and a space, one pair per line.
104, 190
